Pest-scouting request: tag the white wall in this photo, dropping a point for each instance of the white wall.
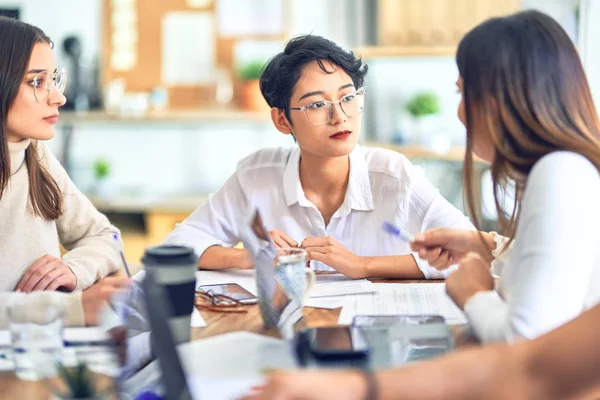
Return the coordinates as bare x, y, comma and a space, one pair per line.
157, 158
590, 47
61, 18
185, 159
560, 10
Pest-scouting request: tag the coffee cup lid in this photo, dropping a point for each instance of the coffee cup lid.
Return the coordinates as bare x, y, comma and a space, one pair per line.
169, 254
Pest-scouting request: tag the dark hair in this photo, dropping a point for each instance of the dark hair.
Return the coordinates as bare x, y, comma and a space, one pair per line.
523, 82
17, 40
283, 71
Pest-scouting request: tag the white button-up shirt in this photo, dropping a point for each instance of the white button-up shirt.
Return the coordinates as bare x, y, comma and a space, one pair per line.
383, 186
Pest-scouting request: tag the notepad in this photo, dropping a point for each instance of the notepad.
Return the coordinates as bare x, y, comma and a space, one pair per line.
403, 298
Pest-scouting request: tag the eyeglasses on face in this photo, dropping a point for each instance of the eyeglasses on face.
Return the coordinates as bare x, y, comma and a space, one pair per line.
217, 302
43, 82
321, 112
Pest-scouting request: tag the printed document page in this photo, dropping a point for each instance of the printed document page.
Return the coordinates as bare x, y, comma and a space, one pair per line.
403, 298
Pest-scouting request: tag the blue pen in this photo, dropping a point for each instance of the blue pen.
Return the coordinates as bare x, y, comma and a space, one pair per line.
395, 231
116, 237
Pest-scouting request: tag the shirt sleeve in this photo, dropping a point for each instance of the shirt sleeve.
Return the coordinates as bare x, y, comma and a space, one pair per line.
214, 223
69, 302
86, 234
545, 281
428, 209
501, 253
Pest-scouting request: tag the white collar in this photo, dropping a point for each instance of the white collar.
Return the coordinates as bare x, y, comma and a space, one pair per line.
17, 154
358, 194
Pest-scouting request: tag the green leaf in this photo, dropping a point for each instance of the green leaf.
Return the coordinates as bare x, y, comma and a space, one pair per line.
422, 104
251, 70
101, 168
79, 380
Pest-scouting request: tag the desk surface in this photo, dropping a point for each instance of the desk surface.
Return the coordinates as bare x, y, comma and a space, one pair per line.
217, 323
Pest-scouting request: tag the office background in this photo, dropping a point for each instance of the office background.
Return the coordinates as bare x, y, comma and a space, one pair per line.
148, 155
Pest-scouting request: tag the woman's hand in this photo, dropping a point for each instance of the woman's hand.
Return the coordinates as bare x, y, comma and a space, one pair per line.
97, 296
473, 276
444, 247
313, 385
47, 273
331, 252
282, 240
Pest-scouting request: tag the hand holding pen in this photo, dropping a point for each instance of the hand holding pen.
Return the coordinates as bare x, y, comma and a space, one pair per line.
441, 248
116, 238
444, 247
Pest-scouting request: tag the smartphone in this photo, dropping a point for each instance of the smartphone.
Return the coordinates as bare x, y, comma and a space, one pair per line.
232, 290
337, 342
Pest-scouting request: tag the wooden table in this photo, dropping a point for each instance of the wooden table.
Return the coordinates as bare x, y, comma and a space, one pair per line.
217, 323
222, 322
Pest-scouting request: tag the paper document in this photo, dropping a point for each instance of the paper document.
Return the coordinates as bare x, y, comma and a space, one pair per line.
85, 335
183, 63
197, 321
403, 298
71, 335
326, 285
243, 277
329, 303
339, 285
5, 339
224, 388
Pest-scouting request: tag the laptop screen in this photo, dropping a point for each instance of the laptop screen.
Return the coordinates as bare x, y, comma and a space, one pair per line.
277, 309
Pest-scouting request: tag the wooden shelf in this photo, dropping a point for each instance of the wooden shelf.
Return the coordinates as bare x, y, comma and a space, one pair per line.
454, 154
405, 51
183, 116
145, 204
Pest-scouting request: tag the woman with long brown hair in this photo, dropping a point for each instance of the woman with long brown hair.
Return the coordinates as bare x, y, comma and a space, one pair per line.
528, 111
40, 207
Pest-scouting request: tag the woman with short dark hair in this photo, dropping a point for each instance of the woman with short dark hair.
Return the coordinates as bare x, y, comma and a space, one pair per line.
327, 195
528, 111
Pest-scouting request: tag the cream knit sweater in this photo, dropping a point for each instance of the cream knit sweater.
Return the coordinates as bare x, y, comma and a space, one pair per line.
85, 233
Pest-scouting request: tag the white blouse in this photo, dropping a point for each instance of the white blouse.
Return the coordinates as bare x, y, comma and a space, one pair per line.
551, 273
383, 186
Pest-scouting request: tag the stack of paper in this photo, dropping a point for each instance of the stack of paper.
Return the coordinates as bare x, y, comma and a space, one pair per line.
403, 298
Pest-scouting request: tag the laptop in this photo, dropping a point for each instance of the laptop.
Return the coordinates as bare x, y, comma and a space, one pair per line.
277, 308
177, 384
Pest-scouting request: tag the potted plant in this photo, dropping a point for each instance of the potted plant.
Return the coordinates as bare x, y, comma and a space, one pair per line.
78, 382
424, 108
101, 173
251, 98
